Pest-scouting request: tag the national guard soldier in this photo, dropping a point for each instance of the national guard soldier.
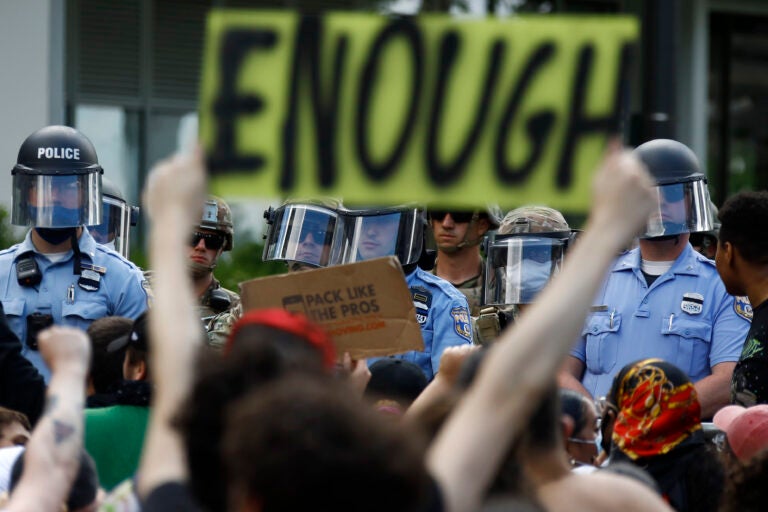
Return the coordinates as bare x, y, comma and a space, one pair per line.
59, 274
521, 258
458, 236
441, 310
664, 299
117, 219
219, 308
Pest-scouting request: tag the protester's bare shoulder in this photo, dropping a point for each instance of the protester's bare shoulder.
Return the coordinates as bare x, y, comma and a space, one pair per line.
599, 491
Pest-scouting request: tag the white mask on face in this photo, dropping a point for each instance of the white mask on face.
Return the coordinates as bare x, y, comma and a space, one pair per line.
525, 280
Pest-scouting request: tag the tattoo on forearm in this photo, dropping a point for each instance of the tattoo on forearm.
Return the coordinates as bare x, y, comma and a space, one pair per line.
62, 431
50, 404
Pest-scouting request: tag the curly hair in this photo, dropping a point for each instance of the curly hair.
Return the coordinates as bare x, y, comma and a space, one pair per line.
744, 219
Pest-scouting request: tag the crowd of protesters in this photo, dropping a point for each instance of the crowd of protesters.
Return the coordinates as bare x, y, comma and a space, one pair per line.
560, 370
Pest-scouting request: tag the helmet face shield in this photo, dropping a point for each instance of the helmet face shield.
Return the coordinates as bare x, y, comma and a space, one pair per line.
56, 200
301, 233
378, 233
519, 266
680, 208
115, 226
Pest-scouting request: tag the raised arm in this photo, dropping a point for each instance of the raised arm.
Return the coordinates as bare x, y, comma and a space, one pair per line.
467, 452
173, 195
53, 452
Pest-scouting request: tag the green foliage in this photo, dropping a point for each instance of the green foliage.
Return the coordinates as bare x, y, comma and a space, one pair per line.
241, 264
7, 238
244, 263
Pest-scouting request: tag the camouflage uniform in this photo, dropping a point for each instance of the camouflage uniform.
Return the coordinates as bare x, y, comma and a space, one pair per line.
218, 317
219, 308
472, 290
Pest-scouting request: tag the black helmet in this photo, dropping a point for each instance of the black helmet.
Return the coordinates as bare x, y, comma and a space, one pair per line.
57, 180
683, 197
383, 231
117, 218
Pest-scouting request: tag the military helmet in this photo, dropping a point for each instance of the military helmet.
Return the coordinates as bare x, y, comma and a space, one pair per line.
682, 194
56, 180
533, 219
494, 214
218, 217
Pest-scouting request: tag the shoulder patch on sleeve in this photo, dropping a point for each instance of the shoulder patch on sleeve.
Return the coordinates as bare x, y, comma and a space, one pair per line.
461, 323
422, 301
742, 307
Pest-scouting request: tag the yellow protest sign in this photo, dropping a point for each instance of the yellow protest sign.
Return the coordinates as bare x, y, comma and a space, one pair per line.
380, 110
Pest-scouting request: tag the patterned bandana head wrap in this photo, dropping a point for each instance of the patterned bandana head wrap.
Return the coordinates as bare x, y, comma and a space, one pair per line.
658, 408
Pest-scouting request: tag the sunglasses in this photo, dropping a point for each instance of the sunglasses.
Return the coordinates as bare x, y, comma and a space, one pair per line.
212, 240
318, 234
439, 215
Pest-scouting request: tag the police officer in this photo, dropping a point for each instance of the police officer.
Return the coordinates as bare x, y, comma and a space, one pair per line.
664, 299
441, 310
219, 308
458, 235
117, 219
521, 257
300, 233
59, 274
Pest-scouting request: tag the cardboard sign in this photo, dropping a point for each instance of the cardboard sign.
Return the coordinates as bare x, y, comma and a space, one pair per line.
434, 109
365, 307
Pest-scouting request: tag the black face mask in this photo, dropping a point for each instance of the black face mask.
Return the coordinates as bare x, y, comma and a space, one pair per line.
55, 236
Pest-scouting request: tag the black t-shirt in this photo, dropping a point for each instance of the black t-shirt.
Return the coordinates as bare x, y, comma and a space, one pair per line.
171, 496
749, 385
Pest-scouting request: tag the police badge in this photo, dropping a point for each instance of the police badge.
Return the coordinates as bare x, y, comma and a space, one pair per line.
692, 303
742, 307
461, 322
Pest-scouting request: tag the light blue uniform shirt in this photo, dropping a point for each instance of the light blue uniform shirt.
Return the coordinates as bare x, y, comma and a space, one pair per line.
120, 290
685, 317
443, 315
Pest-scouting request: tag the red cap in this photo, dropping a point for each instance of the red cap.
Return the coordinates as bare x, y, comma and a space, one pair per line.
293, 323
746, 428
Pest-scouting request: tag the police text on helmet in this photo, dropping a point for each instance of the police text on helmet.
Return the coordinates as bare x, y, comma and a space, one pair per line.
59, 153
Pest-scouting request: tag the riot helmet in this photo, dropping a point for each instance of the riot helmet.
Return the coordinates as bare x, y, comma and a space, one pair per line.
705, 242
56, 180
681, 189
117, 219
524, 255
377, 232
519, 265
302, 232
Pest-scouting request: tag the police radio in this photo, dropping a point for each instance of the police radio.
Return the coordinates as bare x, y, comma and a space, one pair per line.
27, 271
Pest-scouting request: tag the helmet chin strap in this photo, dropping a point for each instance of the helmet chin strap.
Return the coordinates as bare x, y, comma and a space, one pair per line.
199, 270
